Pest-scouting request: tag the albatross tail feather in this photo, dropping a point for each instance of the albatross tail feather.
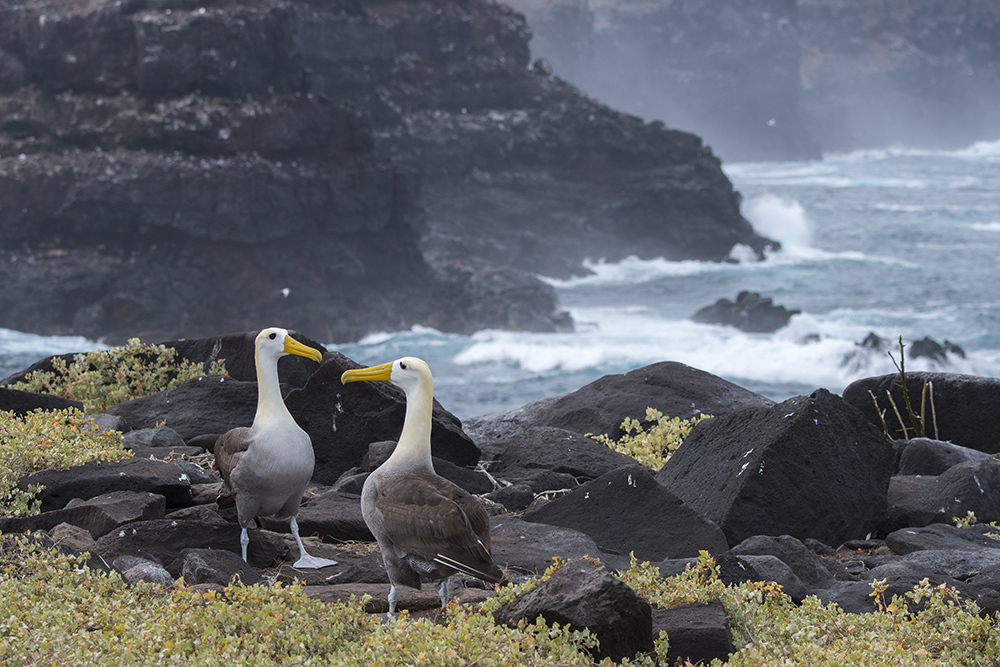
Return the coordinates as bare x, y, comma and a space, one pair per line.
492, 574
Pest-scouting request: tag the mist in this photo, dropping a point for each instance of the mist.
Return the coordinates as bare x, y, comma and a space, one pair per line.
785, 79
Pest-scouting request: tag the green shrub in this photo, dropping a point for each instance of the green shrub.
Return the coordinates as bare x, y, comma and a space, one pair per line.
47, 440
653, 446
103, 378
55, 611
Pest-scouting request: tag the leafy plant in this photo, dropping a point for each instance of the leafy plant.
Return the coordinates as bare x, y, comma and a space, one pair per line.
102, 378
47, 440
654, 445
918, 422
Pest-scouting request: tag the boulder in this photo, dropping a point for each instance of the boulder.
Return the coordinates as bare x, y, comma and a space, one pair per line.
522, 548
940, 536
163, 540
811, 466
23, 402
205, 404
556, 450
806, 565
698, 633
513, 497
626, 511
963, 406
212, 566
973, 486
98, 515
164, 478
750, 312
583, 595
923, 456
600, 407
332, 516
735, 569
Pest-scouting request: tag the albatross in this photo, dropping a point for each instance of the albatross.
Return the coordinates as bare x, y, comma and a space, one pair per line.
268, 465
425, 525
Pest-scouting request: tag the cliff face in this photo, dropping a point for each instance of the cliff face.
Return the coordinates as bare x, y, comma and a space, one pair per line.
785, 79
173, 168
920, 73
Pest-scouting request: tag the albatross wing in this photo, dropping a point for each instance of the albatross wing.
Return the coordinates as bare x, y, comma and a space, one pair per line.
438, 520
229, 449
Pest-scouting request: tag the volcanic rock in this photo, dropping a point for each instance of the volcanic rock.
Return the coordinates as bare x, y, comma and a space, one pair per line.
963, 410
750, 312
628, 511
811, 466
584, 595
600, 407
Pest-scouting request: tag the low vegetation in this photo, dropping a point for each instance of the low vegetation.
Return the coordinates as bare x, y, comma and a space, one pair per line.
47, 440
103, 378
55, 611
653, 445
916, 424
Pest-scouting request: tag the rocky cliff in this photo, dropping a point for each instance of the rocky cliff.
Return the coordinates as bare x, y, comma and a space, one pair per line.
785, 79
173, 168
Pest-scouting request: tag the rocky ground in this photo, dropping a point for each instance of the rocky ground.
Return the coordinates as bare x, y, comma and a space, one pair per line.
173, 169
809, 492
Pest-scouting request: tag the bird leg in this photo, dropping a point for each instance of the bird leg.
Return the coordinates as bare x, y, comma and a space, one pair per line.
443, 592
244, 541
392, 599
305, 561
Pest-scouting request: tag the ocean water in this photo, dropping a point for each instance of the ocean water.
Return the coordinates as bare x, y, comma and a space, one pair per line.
893, 242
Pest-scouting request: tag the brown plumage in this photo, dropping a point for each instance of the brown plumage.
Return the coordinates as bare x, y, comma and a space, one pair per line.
425, 525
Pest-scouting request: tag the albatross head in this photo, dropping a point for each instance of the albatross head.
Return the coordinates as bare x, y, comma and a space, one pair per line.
273, 343
409, 374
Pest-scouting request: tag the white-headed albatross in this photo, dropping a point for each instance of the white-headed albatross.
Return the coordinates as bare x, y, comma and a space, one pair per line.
425, 525
268, 465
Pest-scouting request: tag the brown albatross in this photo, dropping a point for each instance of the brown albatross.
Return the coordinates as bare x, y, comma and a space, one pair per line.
268, 465
425, 525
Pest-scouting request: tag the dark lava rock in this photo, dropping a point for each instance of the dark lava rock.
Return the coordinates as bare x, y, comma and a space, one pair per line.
806, 565
94, 479
526, 548
212, 566
698, 633
973, 486
736, 569
923, 456
23, 402
750, 312
940, 536
600, 407
556, 450
964, 406
586, 596
811, 466
333, 516
163, 540
98, 515
627, 511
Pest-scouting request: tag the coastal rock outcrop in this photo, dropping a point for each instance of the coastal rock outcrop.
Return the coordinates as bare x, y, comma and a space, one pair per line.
750, 312
174, 170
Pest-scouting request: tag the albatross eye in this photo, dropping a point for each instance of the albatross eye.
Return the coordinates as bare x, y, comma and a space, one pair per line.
273, 335
402, 365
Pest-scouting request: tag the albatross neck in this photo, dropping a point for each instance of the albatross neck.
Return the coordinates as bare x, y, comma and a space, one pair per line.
270, 406
413, 451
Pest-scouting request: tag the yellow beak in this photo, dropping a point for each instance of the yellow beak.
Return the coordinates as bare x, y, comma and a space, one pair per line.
293, 346
380, 372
